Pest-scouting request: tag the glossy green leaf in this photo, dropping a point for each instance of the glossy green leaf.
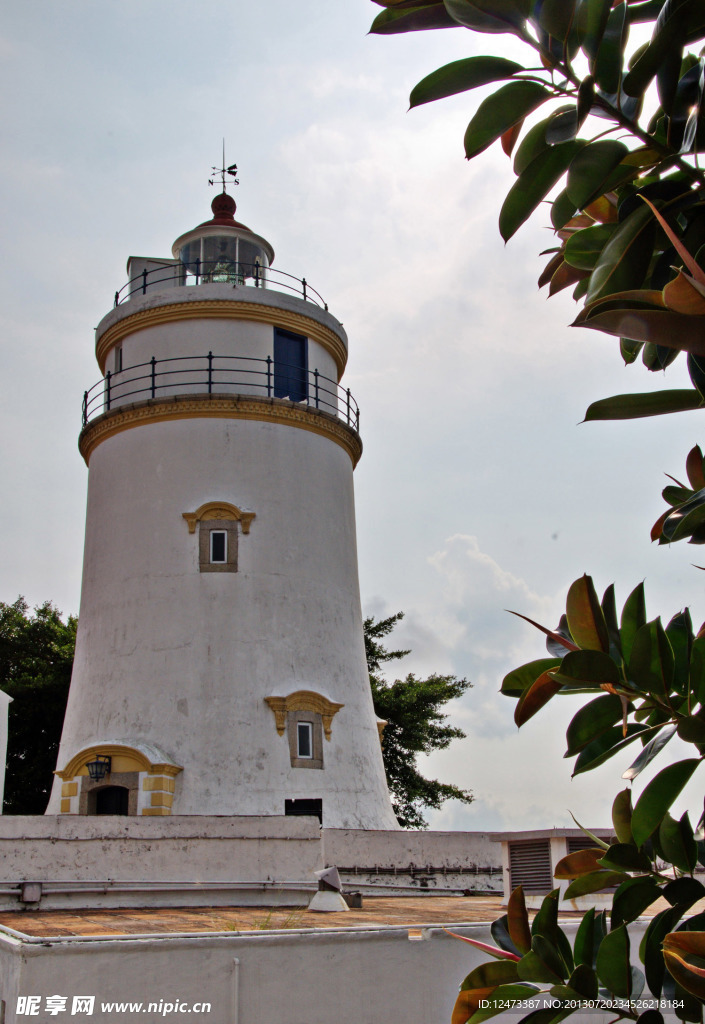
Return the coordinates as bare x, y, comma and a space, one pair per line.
694, 467
684, 954
629, 349
588, 937
609, 610
613, 966
586, 669
495, 972
583, 248
692, 729
659, 796
607, 65
622, 816
391, 21
533, 967
545, 924
535, 697
672, 34
559, 638
625, 857
678, 843
661, 326
585, 618
606, 746
533, 186
499, 930
518, 920
556, 17
531, 146
684, 891
697, 671
676, 495
562, 210
583, 980
598, 11
493, 16
518, 680
596, 881
580, 862
624, 260
685, 519
633, 618
632, 898
696, 371
563, 126
591, 168
649, 752
680, 636
651, 662
460, 76
586, 941
638, 406
500, 111
650, 951
591, 721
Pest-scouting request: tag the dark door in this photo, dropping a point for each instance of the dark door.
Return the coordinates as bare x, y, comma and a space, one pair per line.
112, 800
290, 365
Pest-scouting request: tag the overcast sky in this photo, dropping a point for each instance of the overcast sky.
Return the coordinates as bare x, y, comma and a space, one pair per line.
478, 490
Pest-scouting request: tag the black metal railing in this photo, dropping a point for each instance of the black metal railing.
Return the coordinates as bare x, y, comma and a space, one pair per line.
219, 272
211, 374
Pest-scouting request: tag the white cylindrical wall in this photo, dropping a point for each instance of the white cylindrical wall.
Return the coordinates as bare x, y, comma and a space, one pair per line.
180, 659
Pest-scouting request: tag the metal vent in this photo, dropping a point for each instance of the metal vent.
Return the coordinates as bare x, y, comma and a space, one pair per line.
576, 843
530, 865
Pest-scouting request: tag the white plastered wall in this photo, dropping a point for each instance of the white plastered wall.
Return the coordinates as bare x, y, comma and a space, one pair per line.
183, 659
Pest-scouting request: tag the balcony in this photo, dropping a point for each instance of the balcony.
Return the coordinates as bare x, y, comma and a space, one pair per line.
176, 274
225, 375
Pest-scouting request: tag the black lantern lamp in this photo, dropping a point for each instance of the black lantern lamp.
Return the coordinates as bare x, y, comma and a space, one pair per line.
99, 768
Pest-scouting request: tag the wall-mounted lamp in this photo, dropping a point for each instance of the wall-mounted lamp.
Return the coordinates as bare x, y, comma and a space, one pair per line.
99, 768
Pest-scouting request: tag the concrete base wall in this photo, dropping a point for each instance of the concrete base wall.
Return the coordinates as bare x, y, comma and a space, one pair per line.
422, 860
351, 976
237, 861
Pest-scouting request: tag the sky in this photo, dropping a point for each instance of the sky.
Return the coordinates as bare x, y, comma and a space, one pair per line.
478, 490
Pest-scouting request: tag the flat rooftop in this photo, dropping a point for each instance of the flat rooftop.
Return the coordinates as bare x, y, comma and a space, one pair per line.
376, 912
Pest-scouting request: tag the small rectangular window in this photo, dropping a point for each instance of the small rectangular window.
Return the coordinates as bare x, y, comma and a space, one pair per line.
118, 358
219, 546
304, 739
308, 807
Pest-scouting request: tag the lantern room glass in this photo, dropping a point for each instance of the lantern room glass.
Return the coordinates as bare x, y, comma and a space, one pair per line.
225, 259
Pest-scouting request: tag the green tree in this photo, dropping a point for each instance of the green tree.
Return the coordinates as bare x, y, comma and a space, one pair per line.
607, 130
415, 725
36, 655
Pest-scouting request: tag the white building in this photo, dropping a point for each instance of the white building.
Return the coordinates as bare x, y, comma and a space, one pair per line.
220, 665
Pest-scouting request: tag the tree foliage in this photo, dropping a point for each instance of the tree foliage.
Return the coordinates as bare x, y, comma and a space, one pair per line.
606, 124
36, 656
647, 685
415, 725
610, 132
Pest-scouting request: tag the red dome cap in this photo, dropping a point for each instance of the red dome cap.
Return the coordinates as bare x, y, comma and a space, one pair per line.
223, 207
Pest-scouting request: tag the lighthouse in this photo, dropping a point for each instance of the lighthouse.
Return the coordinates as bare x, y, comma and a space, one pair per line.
220, 665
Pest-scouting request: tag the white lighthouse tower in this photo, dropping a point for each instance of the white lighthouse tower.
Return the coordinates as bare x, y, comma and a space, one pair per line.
220, 665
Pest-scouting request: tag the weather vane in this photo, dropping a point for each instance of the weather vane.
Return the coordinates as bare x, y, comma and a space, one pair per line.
222, 171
